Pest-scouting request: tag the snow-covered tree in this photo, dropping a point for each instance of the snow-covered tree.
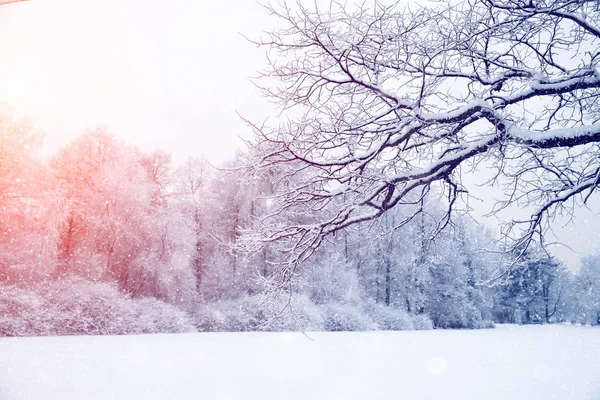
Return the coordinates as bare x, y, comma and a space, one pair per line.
587, 291
30, 209
383, 105
158, 169
108, 196
533, 292
118, 225
460, 260
190, 187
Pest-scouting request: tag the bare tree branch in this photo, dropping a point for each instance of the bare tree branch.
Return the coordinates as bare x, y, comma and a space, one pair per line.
382, 105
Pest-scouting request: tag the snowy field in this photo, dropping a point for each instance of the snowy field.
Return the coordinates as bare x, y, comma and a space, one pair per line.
510, 362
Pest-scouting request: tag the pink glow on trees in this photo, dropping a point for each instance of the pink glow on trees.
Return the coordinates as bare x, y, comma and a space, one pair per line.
119, 225
29, 209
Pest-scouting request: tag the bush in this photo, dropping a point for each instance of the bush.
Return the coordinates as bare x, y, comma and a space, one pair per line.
347, 317
253, 313
18, 311
79, 307
394, 319
227, 316
422, 322
450, 315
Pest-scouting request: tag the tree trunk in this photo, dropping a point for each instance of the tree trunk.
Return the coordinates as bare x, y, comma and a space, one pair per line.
388, 281
66, 252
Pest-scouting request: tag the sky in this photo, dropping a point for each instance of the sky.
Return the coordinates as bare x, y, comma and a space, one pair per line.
169, 75
159, 74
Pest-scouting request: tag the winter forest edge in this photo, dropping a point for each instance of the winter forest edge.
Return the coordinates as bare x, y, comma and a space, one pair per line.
104, 239
347, 218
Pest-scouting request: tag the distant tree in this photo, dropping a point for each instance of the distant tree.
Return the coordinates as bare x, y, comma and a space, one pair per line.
107, 194
190, 187
533, 292
382, 106
218, 205
587, 290
118, 225
457, 263
30, 210
158, 169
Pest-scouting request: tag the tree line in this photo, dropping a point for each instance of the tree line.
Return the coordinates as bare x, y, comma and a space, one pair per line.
104, 238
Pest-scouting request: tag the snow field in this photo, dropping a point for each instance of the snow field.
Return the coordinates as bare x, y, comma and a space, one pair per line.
510, 362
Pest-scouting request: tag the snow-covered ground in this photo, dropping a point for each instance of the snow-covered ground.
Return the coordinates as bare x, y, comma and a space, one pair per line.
510, 362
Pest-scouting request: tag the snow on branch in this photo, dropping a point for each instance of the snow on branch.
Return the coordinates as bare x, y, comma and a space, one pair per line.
383, 107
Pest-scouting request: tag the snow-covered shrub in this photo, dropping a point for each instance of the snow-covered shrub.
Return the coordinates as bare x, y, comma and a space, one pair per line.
208, 318
422, 322
252, 313
451, 314
294, 314
300, 313
155, 316
228, 316
79, 307
346, 317
18, 311
390, 319
394, 319
329, 279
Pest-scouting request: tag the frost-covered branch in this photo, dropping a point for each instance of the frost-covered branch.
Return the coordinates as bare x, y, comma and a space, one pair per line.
382, 105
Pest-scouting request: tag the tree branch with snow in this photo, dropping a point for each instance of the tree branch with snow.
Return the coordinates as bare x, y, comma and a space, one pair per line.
383, 106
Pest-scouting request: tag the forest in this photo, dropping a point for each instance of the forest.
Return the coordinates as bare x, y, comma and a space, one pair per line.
349, 211
299, 199
102, 238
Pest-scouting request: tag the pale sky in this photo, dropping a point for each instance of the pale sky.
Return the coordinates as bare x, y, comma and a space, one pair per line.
159, 74
164, 74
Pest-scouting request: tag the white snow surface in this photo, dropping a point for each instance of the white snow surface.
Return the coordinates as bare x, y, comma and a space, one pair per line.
509, 362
